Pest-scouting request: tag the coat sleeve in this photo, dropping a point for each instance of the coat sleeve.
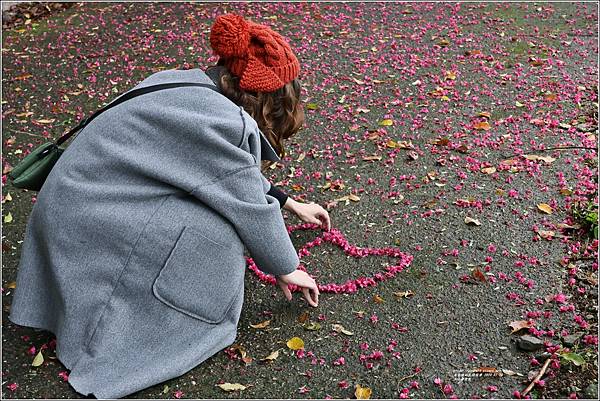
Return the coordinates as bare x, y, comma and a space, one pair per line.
275, 192
240, 195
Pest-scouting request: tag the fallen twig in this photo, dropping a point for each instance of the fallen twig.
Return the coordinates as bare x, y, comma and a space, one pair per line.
554, 148
538, 377
407, 377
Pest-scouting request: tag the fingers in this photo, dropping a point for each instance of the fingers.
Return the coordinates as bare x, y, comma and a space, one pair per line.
323, 215
311, 293
286, 291
309, 299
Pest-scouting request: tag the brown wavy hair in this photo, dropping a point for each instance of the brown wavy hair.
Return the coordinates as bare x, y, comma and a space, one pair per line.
279, 114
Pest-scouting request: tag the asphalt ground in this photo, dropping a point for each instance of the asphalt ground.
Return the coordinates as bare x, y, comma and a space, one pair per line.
466, 88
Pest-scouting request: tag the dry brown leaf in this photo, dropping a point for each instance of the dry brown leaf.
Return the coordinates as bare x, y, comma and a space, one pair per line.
509, 162
441, 141
378, 299
488, 170
546, 159
479, 275
519, 325
22, 77
12, 284
413, 155
272, 356
404, 294
485, 114
261, 325
303, 318
546, 234
340, 329
483, 125
509, 372
471, 221
488, 370
372, 157
546, 208
232, 386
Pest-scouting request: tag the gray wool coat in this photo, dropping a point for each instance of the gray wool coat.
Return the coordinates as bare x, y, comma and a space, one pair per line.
133, 252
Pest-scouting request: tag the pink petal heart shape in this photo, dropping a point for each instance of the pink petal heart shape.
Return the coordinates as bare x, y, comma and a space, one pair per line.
334, 236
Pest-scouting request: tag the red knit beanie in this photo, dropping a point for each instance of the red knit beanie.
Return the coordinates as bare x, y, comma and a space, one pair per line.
260, 57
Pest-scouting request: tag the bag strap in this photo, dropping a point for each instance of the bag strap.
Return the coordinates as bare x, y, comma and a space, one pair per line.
129, 95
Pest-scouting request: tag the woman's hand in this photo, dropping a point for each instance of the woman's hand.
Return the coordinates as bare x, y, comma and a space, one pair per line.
309, 212
303, 280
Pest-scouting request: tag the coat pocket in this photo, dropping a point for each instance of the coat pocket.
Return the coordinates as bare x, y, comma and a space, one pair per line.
201, 278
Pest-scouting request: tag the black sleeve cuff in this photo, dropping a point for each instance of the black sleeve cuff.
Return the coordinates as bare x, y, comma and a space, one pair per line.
279, 194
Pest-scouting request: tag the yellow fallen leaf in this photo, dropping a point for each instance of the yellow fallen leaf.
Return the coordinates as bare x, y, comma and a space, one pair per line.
232, 386
295, 343
544, 207
362, 393
12, 284
46, 121
8, 218
272, 356
386, 123
38, 360
488, 170
450, 75
485, 114
261, 325
340, 329
519, 104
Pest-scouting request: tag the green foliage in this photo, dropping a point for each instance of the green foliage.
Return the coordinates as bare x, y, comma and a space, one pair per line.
586, 215
573, 358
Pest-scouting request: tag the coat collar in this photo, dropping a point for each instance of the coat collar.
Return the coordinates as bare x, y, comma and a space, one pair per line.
266, 149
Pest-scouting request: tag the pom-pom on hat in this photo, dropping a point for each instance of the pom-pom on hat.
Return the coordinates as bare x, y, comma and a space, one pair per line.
260, 57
